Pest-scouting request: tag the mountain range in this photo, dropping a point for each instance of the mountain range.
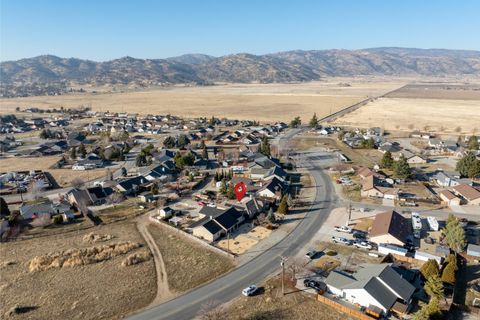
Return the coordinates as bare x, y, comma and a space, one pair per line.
50, 74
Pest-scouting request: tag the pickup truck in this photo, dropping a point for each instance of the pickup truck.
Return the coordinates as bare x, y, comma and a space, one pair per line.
345, 229
363, 245
342, 241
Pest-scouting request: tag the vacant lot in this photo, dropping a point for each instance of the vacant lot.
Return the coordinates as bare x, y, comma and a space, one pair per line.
437, 115
63, 177
270, 304
262, 102
94, 286
187, 264
456, 91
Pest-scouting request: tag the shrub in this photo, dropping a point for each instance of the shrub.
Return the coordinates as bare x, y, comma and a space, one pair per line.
331, 253
58, 219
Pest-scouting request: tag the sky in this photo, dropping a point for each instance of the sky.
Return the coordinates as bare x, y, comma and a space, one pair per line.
105, 29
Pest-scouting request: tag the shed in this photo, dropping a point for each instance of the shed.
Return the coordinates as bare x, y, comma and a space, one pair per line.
473, 250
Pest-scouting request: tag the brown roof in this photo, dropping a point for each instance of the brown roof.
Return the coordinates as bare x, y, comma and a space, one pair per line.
447, 194
467, 192
364, 172
368, 183
392, 223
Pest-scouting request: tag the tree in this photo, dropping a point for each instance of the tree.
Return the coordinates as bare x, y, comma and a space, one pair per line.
223, 187
189, 159
472, 143
230, 192
140, 160
430, 269
265, 146
314, 121
468, 165
368, 144
169, 142
271, 216
4, 210
433, 308
283, 206
401, 168
204, 150
434, 287
154, 189
179, 162
73, 153
212, 121
82, 151
448, 274
45, 134
422, 314
182, 141
454, 234
295, 122
387, 160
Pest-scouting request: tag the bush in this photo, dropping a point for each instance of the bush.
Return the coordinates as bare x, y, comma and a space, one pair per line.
331, 253
58, 219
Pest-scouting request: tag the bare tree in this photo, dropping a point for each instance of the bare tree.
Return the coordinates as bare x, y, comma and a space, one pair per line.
77, 183
212, 311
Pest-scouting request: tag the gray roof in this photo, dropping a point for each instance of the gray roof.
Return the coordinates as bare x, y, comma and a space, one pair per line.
380, 293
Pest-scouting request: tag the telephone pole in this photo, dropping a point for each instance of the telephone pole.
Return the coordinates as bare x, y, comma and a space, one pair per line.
282, 263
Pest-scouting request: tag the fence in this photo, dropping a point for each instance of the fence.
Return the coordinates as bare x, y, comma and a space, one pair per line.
349, 311
193, 238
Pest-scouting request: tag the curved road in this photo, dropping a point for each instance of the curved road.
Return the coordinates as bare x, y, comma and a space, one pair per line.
256, 270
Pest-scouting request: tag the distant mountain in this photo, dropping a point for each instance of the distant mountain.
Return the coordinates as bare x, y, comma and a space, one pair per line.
54, 75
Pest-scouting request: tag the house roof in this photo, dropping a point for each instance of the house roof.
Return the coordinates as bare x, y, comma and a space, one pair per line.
447, 194
130, 182
381, 293
273, 186
212, 226
467, 192
391, 222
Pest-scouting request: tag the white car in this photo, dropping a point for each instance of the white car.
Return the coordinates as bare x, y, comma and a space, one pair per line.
345, 229
363, 245
248, 291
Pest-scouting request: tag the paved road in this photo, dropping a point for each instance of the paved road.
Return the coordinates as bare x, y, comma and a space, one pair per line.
255, 271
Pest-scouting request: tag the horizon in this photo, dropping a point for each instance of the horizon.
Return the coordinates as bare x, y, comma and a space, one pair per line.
234, 53
144, 29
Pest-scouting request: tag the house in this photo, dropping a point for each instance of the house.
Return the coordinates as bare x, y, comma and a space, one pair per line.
166, 212
33, 211
272, 190
364, 172
91, 196
470, 194
392, 228
446, 179
449, 198
131, 185
217, 222
372, 188
379, 286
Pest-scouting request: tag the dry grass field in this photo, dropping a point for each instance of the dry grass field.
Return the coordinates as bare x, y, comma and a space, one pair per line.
187, 264
63, 177
406, 114
262, 102
99, 286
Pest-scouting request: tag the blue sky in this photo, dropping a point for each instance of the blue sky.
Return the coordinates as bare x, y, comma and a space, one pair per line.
105, 29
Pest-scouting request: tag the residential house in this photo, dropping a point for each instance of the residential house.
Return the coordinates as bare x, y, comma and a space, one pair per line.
446, 179
449, 198
36, 210
392, 228
372, 187
470, 194
379, 286
272, 190
131, 185
216, 222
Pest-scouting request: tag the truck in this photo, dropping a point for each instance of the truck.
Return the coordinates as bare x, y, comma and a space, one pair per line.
417, 225
433, 223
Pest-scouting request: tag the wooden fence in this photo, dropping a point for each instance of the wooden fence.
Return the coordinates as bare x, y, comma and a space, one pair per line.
349, 311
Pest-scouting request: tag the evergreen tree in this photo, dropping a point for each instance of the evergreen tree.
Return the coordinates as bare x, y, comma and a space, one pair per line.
154, 189
434, 287
401, 168
140, 160
454, 234
433, 308
223, 187
430, 269
295, 122
4, 210
472, 143
387, 160
314, 121
448, 274
265, 146
212, 121
73, 153
468, 165
169, 142
231, 192
283, 206
82, 151
271, 216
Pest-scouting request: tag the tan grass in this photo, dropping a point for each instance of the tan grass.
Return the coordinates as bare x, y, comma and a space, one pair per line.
137, 257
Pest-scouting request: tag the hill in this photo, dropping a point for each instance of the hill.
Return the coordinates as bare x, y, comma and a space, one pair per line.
53, 75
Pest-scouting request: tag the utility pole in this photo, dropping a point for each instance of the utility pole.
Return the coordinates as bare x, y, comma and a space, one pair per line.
228, 241
349, 211
282, 263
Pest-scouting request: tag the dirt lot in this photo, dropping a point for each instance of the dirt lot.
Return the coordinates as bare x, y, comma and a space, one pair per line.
436, 115
262, 102
98, 290
187, 264
460, 91
63, 177
270, 304
244, 238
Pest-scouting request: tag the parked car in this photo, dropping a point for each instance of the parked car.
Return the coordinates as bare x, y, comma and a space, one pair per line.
345, 229
363, 245
248, 291
311, 254
359, 235
309, 283
342, 241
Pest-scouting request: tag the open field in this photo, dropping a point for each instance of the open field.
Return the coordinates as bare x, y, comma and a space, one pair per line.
437, 115
187, 264
456, 91
270, 304
262, 102
63, 177
96, 287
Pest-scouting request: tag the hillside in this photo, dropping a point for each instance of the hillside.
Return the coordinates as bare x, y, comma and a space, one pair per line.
53, 75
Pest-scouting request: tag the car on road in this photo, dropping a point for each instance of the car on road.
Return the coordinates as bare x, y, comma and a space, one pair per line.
363, 245
311, 254
342, 240
345, 229
310, 283
248, 291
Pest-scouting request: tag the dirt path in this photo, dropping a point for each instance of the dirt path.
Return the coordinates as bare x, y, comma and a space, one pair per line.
163, 290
